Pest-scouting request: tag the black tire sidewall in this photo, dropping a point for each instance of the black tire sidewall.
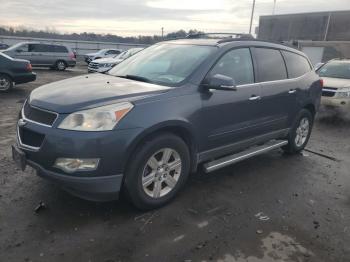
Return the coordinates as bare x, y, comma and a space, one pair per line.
10, 80
292, 147
134, 171
61, 61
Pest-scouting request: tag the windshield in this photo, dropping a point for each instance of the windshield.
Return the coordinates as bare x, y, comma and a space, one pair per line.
335, 70
167, 64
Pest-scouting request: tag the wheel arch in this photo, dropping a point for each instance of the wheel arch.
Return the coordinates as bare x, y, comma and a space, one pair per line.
311, 108
179, 128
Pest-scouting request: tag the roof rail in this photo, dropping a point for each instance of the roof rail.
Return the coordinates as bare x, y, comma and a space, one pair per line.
226, 37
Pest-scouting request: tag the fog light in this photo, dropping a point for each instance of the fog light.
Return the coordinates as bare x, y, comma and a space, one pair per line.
70, 165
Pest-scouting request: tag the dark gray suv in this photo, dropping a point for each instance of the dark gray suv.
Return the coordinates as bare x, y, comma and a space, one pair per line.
166, 111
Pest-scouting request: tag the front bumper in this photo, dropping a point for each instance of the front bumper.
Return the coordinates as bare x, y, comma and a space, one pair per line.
103, 188
99, 70
341, 105
111, 147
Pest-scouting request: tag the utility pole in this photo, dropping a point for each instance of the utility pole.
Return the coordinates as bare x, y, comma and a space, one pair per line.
274, 7
162, 32
251, 18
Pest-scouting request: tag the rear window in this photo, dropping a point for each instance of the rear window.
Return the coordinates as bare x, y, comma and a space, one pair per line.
270, 65
297, 65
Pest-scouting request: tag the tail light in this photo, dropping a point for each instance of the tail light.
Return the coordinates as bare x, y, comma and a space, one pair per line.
72, 55
321, 82
29, 67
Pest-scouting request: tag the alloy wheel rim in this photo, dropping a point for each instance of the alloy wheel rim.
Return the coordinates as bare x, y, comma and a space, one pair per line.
161, 173
4, 84
302, 132
61, 65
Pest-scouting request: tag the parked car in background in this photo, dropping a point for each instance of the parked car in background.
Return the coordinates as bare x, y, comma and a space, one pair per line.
47, 55
14, 71
3, 46
158, 115
336, 85
103, 65
101, 54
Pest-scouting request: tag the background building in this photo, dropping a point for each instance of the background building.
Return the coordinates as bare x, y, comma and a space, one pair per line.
322, 35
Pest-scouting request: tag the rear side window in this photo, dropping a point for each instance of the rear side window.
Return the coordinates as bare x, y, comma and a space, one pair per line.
270, 65
236, 64
60, 49
297, 65
39, 48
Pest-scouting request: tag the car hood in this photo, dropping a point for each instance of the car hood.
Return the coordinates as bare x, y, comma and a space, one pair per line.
336, 82
107, 60
90, 91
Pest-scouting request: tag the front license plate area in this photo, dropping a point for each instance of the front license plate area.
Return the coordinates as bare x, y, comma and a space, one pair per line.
19, 157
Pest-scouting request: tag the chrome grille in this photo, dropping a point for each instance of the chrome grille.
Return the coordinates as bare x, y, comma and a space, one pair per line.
38, 115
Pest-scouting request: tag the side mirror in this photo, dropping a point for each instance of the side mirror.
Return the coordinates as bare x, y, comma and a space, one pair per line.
220, 82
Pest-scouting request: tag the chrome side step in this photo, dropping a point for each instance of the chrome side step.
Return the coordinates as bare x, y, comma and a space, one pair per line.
248, 153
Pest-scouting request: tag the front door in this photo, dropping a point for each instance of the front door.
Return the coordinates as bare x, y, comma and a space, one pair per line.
231, 116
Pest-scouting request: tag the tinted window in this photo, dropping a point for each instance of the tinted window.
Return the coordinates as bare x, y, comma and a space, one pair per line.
297, 65
23, 48
39, 48
270, 65
112, 52
60, 49
237, 64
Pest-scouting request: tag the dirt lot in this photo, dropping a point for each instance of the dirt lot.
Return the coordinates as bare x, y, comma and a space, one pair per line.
270, 208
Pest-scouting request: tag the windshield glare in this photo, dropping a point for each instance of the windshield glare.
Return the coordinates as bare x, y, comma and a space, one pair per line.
335, 70
167, 64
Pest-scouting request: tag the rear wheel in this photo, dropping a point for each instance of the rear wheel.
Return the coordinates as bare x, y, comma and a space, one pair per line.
60, 65
157, 171
6, 83
300, 133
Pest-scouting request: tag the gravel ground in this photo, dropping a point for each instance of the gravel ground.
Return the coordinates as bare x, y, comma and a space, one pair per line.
272, 207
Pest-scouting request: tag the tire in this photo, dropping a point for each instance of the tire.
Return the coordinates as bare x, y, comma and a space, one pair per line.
6, 83
299, 134
142, 181
60, 65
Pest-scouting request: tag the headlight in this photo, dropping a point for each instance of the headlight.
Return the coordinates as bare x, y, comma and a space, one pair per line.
343, 93
97, 119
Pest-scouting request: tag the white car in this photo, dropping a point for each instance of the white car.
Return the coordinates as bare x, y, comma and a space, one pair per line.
103, 65
102, 54
336, 85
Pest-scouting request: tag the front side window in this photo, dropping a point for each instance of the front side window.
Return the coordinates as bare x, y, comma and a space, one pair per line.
236, 64
270, 65
167, 64
22, 48
335, 69
297, 65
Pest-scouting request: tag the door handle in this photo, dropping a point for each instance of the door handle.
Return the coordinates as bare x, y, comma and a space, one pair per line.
253, 98
292, 91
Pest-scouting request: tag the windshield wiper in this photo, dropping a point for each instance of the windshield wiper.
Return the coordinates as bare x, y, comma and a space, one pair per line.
137, 78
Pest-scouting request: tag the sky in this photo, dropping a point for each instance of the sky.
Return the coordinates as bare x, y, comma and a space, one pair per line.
147, 17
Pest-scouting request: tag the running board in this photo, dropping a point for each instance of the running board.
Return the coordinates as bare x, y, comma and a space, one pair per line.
248, 153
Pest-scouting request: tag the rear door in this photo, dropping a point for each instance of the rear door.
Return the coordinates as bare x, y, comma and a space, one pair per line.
278, 101
231, 116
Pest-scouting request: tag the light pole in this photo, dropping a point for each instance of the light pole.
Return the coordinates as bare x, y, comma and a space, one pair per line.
251, 18
274, 7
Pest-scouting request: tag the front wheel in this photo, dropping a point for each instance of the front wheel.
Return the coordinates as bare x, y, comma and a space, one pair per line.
157, 171
300, 132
